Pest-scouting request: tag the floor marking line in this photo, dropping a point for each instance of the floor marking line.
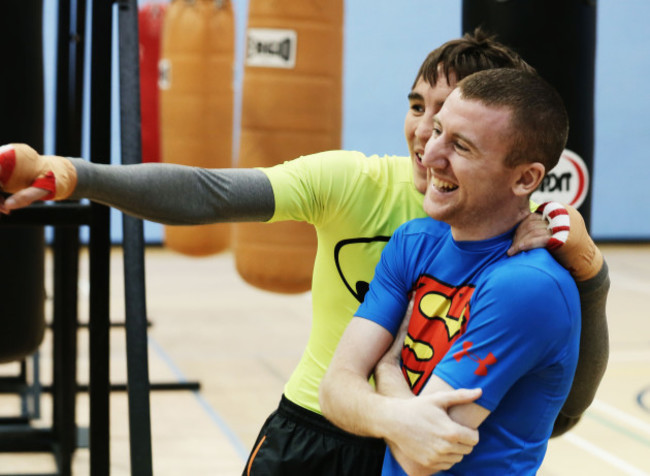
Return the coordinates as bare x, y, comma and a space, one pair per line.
214, 415
598, 452
617, 414
629, 283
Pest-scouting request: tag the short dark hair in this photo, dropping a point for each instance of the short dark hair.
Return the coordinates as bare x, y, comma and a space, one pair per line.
539, 121
473, 52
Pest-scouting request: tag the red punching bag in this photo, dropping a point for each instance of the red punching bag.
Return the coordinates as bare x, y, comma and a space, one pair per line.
150, 22
291, 106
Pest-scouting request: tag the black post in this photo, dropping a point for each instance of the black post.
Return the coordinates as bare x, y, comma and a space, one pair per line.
22, 249
133, 244
558, 38
71, 32
99, 245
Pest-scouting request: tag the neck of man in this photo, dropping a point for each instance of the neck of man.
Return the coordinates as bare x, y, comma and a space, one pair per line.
498, 223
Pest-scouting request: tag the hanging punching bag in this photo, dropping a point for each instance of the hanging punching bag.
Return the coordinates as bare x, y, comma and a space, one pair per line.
150, 21
22, 249
558, 38
196, 103
291, 106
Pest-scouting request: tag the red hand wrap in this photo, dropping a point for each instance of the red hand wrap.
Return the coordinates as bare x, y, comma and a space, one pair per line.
46, 183
22, 167
7, 162
571, 244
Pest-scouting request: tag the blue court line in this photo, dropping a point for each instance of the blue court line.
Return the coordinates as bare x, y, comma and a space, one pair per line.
214, 415
640, 399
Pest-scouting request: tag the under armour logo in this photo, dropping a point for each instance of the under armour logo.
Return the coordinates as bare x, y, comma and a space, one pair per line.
482, 363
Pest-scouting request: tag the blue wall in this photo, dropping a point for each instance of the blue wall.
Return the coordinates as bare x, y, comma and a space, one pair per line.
385, 42
622, 134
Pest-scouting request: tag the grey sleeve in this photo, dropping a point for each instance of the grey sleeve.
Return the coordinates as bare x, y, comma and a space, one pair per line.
594, 350
176, 194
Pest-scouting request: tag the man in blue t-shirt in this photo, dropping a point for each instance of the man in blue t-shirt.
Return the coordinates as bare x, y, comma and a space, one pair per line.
507, 326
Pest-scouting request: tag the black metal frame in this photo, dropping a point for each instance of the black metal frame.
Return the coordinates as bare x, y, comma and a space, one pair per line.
67, 217
61, 438
28, 392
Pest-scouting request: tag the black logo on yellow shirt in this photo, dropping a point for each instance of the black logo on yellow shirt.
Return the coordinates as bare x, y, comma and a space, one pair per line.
353, 265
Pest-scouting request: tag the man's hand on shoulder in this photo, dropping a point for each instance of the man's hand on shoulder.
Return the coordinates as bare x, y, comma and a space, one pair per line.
561, 229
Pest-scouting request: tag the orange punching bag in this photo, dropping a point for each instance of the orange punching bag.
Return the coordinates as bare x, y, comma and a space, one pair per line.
150, 18
291, 106
196, 103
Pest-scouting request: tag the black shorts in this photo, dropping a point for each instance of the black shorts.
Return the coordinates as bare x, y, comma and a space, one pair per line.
296, 441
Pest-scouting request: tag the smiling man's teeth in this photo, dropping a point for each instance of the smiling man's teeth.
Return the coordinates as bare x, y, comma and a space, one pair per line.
441, 184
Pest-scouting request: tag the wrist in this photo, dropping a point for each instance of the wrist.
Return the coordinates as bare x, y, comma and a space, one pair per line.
570, 243
388, 418
579, 255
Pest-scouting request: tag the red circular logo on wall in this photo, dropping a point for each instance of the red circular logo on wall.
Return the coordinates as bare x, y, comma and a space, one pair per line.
567, 183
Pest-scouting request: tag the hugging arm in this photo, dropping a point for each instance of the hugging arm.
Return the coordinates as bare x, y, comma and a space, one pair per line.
594, 351
562, 230
421, 426
582, 258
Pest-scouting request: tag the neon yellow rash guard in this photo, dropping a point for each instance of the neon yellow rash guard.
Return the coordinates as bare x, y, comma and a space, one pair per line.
355, 203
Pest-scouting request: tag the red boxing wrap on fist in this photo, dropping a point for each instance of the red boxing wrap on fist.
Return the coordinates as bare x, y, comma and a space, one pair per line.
22, 167
570, 243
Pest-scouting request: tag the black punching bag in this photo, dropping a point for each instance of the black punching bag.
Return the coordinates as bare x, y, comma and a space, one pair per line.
557, 38
22, 249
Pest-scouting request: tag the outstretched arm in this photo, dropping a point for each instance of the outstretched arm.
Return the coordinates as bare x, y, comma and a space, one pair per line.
165, 193
176, 194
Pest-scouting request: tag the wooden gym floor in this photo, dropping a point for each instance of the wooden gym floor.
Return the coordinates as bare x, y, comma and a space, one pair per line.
241, 344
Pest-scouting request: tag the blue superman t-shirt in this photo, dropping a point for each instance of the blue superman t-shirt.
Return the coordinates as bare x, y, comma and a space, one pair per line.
508, 325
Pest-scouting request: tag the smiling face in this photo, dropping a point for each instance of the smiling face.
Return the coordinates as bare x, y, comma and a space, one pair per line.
425, 102
469, 185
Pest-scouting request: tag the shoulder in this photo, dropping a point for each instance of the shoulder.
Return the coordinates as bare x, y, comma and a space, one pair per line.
533, 281
533, 262
535, 266
344, 159
337, 166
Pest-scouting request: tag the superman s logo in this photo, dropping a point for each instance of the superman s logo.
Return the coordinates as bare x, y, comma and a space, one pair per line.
449, 304
440, 315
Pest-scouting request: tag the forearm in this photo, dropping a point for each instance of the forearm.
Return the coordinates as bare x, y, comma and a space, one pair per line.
177, 195
419, 427
443, 430
353, 405
594, 350
390, 381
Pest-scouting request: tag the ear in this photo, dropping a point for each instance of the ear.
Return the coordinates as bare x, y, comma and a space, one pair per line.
527, 178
